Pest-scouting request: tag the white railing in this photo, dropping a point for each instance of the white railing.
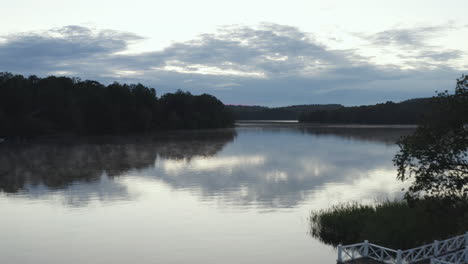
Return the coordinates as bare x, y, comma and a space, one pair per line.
392, 256
435, 249
457, 257
367, 250
383, 254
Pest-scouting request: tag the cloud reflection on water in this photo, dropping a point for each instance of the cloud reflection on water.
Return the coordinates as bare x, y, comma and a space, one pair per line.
264, 167
208, 163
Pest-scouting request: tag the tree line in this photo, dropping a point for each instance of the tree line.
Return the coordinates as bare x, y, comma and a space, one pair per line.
32, 106
406, 112
293, 112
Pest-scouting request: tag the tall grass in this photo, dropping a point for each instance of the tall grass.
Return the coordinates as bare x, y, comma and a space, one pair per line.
394, 224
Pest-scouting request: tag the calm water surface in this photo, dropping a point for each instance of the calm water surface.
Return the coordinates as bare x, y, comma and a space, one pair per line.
239, 195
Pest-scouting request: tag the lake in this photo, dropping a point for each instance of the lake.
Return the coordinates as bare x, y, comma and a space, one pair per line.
241, 195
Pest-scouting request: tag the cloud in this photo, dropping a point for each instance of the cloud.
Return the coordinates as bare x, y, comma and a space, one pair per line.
443, 55
415, 47
68, 49
267, 64
265, 52
408, 37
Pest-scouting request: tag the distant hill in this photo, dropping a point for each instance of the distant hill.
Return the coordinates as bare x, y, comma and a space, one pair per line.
292, 112
406, 112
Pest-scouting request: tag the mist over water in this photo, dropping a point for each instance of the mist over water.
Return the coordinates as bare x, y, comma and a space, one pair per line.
239, 195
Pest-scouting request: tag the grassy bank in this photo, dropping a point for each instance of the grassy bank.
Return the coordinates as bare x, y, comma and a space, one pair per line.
394, 224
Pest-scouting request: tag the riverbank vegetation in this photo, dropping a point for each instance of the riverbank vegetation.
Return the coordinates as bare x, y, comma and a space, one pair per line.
393, 224
32, 106
435, 157
389, 113
406, 112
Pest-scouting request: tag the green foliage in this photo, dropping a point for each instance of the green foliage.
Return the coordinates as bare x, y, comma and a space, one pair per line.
406, 112
436, 155
391, 224
36, 106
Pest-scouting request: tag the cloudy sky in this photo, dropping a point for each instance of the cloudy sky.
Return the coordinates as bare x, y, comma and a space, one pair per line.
255, 52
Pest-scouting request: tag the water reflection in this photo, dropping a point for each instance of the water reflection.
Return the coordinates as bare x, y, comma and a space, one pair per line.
387, 134
278, 167
84, 169
105, 189
187, 197
273, 166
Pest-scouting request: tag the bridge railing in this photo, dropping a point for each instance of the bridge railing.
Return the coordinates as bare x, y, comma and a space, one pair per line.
367, 250
435, 249
392, 256
457, 257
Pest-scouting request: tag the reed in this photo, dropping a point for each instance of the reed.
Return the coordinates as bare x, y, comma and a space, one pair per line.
393, 224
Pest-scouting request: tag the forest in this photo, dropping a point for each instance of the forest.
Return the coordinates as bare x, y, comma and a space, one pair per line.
293, 112
406, 112
32, 106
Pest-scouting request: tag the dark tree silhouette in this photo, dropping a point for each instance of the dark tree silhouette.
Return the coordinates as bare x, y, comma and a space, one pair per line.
436, 155
183, 110
406, 112
57, 105
293, 112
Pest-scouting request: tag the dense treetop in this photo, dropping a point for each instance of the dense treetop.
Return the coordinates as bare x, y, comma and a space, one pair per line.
35, 106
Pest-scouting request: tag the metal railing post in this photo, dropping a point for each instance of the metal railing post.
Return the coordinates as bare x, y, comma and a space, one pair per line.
366, 248
398, 257
466, 239
466, 254
340, 254
432, 261
436, 247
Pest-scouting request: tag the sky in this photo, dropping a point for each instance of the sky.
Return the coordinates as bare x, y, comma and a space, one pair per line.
254, 52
